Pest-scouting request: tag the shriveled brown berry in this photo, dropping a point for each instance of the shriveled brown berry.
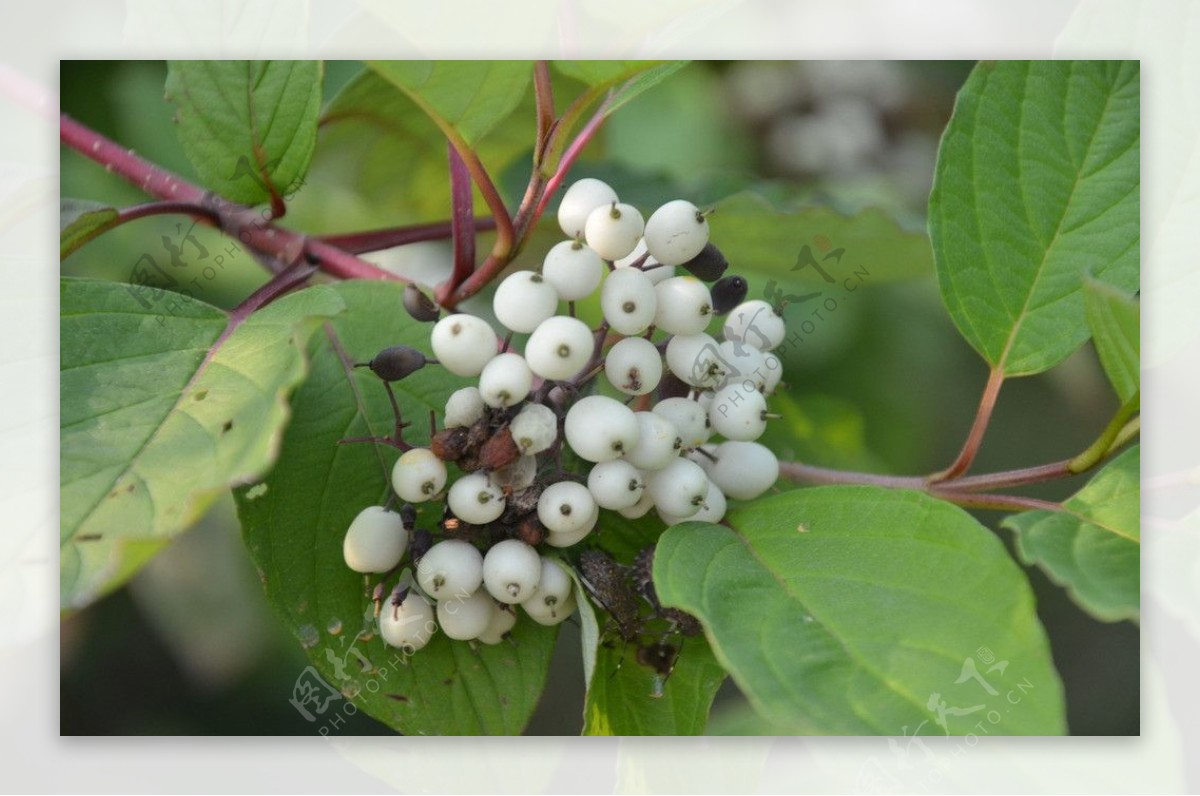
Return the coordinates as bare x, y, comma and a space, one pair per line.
449, 444
419, 306
499, 450
531, 531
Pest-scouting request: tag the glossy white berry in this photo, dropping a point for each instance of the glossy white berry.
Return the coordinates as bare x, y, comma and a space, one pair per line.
463, 407
505, 380
774, 370
463, 343
516, 475
418, 475
375, 541
690, 420
465, 618
475, 500
713, 509
676, 232
628, 301
511, 571
523, 300
450, 568
616, 484
684, 305
599, 428
574, 269
744, 470
565, 507
744, 364
639, 509
755, 322
738, 413
613, 230
579, 201
653, 269
534, 429
409, 625
501, 621
569, 538
657, 442
633, 366
559, 348
679, 488
555, 598
696, 360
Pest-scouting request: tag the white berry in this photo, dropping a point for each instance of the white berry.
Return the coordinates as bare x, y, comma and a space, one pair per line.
516, 475
569, 538
690, 420
713, 509
676, 232
475, 500
511, 571
613, 230
409, 625
744, 363
534, 429
633, 366
599, 428
418, 475
555, 598
744, 470
523, 300
684, 305
505, 380
705, 456
738, 413
450, 568
628, 301
639, 509
463, 407
501, 621
657, 442
774, 370
654, 271
463, 343
574, 269
755, 322
696, 360
565, 507
375, 541
679, 488
579, 201
465, 618
615, 485
559, 347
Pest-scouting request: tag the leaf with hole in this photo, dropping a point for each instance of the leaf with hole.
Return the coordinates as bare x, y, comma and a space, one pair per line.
294, 521
163, 404
1037, 183
849, 610
1093, 546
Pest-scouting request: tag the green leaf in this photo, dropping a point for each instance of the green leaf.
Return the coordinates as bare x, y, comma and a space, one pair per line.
606, 73
248, 127
1114, 318
1037, 183
163, 404
294, 521
628, 698
1093, 547
79, 221
589, 627
464, 98
860, 610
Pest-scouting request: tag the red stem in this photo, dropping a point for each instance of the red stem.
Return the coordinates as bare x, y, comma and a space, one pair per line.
462, 226
543, 92
376, 239
983, 416
569, 157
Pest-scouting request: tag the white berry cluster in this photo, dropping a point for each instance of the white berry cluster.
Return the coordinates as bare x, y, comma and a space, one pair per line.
652, 440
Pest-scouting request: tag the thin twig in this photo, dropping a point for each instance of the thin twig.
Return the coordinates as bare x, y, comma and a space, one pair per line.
983, 416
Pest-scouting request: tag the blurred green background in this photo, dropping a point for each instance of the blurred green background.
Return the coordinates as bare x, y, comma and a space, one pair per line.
884, 383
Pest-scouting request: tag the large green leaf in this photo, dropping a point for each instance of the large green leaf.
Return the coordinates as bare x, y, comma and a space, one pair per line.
248, 127
1114, 318
294, 521
1037, 183
860, 610
628, 698
163, 404
1093, 546
464, 98
80, 221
